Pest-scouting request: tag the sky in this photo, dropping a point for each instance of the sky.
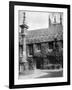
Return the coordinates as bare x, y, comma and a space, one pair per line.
37, 20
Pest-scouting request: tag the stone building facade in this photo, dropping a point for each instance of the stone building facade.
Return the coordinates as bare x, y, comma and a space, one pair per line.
42, 47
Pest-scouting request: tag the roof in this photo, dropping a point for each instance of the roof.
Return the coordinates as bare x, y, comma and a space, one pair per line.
46, 34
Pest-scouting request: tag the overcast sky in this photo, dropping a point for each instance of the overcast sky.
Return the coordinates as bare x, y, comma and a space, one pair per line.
37, 20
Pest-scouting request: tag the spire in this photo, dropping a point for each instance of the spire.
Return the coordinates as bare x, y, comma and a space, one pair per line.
24, 24
60, 19
24, 18
49, 21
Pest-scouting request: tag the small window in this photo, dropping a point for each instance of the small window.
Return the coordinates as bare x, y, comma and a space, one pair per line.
30, 49
38, 46
50, 45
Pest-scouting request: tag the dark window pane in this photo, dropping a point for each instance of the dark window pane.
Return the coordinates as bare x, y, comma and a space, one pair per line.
50, 45
30, 49
62, 43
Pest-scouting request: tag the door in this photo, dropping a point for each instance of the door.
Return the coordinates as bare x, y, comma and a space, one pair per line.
38, 63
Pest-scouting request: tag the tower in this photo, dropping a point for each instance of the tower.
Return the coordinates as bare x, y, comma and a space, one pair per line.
60, 19
24, 27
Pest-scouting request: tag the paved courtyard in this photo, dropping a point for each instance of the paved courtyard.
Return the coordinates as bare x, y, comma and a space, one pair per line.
41, 74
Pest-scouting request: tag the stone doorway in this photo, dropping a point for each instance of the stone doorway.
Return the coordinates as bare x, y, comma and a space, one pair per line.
38, 63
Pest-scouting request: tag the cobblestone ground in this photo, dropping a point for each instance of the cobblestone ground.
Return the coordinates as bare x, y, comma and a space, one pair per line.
53, 74
41, 74
26, 72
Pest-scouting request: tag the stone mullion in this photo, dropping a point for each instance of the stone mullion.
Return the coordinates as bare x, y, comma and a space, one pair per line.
34, 48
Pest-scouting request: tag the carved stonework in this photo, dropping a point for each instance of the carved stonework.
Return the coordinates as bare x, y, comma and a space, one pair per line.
24, 64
